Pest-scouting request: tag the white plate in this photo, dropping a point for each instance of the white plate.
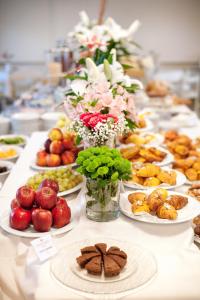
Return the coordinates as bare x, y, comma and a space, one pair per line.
158, 140
7, 147
70, 191
30, 232
13, 136
38, 168
149, 126
140, 269
187, 213
192, 182
180, 180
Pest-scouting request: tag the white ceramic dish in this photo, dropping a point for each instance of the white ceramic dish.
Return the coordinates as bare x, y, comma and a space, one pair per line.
9, 165
38, 168
187, 213
13, 136
149, 126
4, 125
140, 269
180, 180
12, 158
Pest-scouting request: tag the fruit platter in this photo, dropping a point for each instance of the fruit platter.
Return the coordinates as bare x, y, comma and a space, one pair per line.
68, 180
35, 213
59, 150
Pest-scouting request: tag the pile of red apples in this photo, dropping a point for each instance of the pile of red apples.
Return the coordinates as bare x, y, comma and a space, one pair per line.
59, 149
42, 209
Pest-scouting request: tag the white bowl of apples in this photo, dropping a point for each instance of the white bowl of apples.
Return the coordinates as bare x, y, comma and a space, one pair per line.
37, 213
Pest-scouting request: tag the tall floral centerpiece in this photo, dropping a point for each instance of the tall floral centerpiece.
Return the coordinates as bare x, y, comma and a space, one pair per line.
100, 101
103, 168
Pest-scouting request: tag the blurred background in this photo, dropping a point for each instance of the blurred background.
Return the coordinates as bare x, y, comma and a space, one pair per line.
34, 51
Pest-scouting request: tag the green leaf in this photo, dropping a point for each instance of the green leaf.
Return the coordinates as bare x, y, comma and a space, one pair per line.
73, 77
132, 89
126, 67
131, 124
107, 70
78, 139
81, 61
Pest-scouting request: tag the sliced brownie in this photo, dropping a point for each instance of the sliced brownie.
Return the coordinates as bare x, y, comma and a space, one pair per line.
88, 249
85, 258
111, 268
117, 252
94, 266
101, 247
113, 248
119, 260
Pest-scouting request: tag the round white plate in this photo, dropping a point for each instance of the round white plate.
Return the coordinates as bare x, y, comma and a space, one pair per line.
13, 136
158, 140
18, 150
70, 191
140, 269
187, 213
38, 168
30, 232
149, 126
180, 180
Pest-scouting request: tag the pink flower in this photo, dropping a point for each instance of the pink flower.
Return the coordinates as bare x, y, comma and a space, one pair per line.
120, 90
106, 100
91, 120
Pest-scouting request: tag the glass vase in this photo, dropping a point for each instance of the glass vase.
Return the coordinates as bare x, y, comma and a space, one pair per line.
102, 203
111, 143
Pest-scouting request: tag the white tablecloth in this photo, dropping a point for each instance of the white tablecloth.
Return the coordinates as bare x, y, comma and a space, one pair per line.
22, 277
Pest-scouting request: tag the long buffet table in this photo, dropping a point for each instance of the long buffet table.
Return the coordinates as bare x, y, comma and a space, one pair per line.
22, 276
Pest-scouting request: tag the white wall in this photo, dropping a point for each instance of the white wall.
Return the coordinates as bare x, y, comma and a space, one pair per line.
170, 27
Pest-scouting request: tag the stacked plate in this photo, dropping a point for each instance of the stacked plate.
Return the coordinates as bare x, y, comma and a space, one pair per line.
50, 119
4, 125
25, 122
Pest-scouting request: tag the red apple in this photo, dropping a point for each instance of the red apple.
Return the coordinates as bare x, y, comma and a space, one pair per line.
41, 159
47, 145
25, 196
68, 157
53, 184
61, 202
42, 219
53, 160
61, 216
56, 147
14, 204
46, 198
55, 134
20, 218
68, 143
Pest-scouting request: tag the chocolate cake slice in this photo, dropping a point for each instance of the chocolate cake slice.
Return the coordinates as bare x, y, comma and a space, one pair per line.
101, 247
94, 266
111, 268
88, 249
117, 252
85, 258
118, 259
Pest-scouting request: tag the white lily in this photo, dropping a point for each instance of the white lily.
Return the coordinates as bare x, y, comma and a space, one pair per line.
84, 18
129, 81
78, 86
133, 28
94, 73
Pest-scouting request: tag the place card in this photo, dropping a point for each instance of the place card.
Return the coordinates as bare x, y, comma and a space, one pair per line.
44, 247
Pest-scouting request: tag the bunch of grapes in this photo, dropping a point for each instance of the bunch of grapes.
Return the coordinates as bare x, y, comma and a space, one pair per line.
66, 178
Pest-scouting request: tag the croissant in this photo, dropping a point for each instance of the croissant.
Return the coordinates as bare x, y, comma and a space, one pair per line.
137, 196
151, 181
148, 170
171, 135
139, 206
166, 211
191, 174
196, 165
177, 201
159, 193
154, 201
181, 150
167, 177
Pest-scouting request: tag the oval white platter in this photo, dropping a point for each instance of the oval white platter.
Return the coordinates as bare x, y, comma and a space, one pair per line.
72, 190
180, 180
157, 140
30, 232
13, 136
187, 213
18, 150
149, 126
38, 168
140, 269
192, 182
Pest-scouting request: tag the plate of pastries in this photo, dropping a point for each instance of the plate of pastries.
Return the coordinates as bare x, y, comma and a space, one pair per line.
144, 154
194, 191
145, 176
103, 266
143, 124
157, 88
139, 139
159, 206
190, 167
196, 227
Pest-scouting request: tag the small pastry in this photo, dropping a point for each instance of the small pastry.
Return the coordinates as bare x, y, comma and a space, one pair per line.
160, 193
137, 196
94, 266
197, 230
177, 201
140, 206
191, 174
196, 166
148, 170
171, 135
196, 220
119, 260
85, 258
154, 201
166, 211
152, 181
101, 247
168, 177
137, 179
111, 268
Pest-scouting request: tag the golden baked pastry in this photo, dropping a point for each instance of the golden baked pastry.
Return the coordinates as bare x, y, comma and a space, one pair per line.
160, 193
148, 170
139, 206
157, 88
171, 135
177, 201
138, 180
191, 174
141, 123
166, 211
168, 177
154, 201
196, 220
196, 166
151, 181
130, 152
194, 191
136, 196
